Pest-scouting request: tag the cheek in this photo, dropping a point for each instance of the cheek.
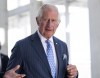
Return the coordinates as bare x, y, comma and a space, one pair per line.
42, 24
42, 27
55, 28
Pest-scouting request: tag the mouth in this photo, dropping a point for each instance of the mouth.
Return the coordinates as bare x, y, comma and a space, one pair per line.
48, 29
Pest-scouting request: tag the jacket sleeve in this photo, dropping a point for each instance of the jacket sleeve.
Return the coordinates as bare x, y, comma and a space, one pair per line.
16, 58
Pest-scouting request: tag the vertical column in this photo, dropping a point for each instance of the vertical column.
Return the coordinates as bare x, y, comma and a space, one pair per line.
66, 3
34, 6
3, 26
94, 15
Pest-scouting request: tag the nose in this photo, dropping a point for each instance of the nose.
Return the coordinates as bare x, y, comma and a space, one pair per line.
49, 22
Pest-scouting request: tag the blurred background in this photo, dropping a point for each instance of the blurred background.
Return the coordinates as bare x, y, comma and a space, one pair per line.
79, 28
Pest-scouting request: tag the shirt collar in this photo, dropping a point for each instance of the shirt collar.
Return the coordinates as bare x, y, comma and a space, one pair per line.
43, 38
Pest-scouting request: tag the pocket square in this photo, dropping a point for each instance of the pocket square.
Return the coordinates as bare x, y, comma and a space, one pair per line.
64, 56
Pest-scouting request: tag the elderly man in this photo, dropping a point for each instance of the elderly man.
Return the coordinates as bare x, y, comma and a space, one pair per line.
41, 55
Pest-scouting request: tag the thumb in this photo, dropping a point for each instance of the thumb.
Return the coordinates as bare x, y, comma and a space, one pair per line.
16, 68
23, 75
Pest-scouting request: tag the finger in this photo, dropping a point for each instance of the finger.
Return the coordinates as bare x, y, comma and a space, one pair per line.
23, 75
20, 75
69, 67
16, 68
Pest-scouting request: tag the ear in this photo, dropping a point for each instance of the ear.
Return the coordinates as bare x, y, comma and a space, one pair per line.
58, 25
37, 20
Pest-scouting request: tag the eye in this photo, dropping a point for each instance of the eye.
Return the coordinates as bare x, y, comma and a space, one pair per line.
53, 20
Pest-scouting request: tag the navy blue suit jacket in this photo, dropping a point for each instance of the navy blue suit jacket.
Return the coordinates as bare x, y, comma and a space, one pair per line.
30, 55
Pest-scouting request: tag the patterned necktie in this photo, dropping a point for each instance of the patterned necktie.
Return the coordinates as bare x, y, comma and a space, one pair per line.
50, 58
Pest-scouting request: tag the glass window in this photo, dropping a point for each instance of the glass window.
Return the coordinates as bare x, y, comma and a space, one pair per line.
19, 27
24, 2
79, 40
62, 26
13, 4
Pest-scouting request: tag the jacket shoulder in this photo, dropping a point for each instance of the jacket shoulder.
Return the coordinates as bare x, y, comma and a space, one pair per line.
58, 40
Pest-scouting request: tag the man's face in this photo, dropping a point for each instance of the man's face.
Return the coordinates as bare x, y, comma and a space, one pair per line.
48, 23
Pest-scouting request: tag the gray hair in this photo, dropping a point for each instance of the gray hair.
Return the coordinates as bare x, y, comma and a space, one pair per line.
47, 7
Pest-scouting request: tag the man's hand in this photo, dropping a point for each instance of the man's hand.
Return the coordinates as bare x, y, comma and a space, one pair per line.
72, 71
12, 73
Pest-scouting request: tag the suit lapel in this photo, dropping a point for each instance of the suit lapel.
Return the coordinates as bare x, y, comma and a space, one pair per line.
40, 50
59, 55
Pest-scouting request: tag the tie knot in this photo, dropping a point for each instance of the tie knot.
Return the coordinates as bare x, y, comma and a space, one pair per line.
48, 42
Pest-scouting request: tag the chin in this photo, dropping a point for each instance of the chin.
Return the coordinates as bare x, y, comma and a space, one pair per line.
47, 37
